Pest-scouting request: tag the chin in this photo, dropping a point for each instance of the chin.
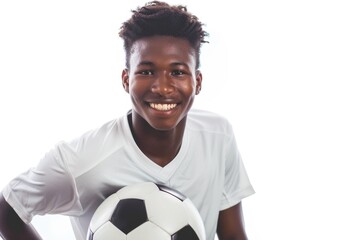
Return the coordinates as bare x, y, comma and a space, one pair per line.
163, 127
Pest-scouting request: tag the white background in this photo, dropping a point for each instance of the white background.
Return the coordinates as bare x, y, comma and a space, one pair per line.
285, 73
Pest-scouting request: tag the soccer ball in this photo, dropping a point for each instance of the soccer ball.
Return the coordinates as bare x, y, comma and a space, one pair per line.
146, 211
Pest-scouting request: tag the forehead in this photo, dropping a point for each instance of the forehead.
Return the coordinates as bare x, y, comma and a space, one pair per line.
162, 49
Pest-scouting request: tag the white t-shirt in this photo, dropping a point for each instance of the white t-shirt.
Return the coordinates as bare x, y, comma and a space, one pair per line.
75, 177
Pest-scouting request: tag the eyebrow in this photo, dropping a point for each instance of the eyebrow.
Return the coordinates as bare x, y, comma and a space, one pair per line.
179, 64
146, 63
149, 63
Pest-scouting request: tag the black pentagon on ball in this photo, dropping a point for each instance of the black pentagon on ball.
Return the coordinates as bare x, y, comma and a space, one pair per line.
186, 233
171, 191
129, 214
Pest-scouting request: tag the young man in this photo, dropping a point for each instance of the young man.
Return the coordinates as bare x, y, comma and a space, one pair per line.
159, 140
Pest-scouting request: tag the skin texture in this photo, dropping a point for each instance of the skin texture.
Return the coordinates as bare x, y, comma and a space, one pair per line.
12, 227
162, 71
231, 224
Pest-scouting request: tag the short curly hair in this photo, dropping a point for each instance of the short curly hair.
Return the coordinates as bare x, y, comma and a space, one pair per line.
160, 18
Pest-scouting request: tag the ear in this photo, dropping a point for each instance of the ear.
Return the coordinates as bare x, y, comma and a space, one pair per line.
125, 79
198, 80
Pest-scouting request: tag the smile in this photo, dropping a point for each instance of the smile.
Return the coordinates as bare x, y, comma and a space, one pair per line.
162, 107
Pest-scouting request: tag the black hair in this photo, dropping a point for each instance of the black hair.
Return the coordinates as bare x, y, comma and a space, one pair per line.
160, 18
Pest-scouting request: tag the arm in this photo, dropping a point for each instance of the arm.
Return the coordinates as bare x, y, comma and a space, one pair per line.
231, 224
11, 225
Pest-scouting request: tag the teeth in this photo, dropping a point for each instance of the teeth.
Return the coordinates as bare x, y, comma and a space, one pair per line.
162, 107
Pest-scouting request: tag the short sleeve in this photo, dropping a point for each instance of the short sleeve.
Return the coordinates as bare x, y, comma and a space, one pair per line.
237, 185
48, 188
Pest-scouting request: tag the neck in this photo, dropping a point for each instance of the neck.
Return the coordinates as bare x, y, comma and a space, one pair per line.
161, 146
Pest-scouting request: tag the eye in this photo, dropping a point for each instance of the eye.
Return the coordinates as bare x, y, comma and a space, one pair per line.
177, 73
145, 72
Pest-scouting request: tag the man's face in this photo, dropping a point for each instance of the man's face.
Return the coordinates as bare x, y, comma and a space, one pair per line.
162, 80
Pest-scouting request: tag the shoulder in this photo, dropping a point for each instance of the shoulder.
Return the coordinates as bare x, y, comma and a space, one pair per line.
103, 133
104, 129
93, 146
206, 121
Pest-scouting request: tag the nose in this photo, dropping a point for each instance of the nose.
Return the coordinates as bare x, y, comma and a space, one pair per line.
163, 85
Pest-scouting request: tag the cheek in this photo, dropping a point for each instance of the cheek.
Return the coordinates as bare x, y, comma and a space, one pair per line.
137, 87
188, 88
